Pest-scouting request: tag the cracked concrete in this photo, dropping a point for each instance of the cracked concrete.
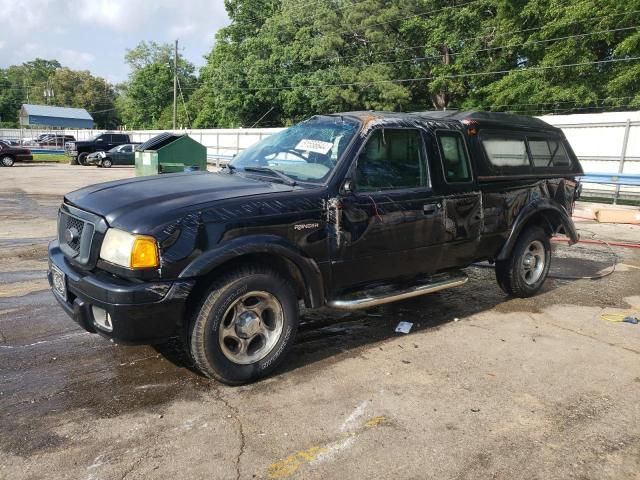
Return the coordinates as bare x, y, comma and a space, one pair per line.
484, 386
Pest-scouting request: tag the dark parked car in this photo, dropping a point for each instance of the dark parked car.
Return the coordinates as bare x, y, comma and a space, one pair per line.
121, 155
55, 140
349, 210
79, 151
9, 154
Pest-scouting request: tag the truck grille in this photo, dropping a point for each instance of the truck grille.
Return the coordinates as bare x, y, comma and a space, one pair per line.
80, 234
77, 226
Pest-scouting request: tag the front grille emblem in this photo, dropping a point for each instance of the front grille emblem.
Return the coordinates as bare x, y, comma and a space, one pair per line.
71, 235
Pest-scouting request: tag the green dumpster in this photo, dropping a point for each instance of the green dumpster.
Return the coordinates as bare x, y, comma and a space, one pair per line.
170, 153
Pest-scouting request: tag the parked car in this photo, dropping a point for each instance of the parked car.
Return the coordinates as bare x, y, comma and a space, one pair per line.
9, 154
34, 140
120, 155
79, 151
351, 211
14, 142
55, 140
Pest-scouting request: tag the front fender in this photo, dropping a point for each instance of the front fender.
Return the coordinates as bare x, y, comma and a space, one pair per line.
270, 244
553, 212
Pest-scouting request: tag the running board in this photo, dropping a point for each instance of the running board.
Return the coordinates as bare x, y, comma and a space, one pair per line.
374, 297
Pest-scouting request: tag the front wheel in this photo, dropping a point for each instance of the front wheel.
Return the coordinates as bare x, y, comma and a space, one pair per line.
7, 161
245, 325
524, 272
106, 163
82, 159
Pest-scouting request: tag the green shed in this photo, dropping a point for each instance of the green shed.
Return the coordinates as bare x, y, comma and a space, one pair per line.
170, 153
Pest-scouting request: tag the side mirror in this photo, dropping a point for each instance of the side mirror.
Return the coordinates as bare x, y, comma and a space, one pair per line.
348, 187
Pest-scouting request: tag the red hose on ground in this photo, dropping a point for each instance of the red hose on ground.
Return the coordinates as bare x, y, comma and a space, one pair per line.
599, 242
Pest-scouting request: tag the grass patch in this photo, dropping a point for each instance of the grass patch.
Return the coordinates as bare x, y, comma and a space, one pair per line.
50, 158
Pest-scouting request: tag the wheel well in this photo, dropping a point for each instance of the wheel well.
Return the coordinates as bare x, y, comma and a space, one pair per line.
549, 220
282, 265
10, 155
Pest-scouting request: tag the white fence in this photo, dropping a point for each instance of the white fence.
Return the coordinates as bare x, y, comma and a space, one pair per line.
604, 142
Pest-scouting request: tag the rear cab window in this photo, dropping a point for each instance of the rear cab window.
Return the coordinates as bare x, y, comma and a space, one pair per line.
517, 154
506, 152
548, 153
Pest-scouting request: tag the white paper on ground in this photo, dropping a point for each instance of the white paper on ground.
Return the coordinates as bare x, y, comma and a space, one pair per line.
404, 327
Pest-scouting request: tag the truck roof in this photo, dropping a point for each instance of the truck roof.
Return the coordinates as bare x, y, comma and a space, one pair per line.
493, 118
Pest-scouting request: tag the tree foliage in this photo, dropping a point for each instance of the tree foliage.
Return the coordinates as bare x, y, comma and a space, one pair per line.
294, 58
27, 83
147, 98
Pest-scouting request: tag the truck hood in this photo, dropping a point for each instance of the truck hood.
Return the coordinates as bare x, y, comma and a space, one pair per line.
81, 143
140, 205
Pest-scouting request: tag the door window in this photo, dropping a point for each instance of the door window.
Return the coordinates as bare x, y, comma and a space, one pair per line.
454, 157
391, 159
126, 149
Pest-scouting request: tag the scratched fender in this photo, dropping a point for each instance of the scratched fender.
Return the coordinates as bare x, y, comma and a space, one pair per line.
267, 244
551, 211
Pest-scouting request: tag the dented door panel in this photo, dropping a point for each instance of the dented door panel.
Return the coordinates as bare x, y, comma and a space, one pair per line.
382, 234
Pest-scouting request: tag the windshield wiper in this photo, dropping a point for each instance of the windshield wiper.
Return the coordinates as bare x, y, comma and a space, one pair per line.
285, 178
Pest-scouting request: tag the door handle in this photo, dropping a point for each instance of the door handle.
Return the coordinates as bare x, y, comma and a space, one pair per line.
431, 208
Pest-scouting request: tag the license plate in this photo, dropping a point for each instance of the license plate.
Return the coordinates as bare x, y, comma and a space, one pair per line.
59, 281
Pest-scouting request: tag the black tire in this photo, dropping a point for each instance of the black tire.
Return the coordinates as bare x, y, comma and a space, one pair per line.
7, 161
205, 340
81, 159
106, 163
521, 275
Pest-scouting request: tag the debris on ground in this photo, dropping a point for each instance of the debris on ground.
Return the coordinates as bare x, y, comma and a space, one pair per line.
622, 317
404, 327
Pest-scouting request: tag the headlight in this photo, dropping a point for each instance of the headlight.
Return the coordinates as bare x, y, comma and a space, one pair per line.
128, 250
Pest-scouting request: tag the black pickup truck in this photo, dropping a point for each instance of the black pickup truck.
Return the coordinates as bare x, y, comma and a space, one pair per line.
78, 151
349, 210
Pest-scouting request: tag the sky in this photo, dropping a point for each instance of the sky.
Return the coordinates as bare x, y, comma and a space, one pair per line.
95, 34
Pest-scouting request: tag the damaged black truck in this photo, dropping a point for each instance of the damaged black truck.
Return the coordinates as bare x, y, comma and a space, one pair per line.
347, 210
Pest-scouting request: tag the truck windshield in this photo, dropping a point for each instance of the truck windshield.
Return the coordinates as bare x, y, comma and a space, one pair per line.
307, 152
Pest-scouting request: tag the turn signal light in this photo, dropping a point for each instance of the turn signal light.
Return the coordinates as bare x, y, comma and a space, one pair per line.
144, 253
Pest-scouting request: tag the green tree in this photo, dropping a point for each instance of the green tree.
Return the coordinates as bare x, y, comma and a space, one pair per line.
296, 59
23, 84
147, 97
82, 90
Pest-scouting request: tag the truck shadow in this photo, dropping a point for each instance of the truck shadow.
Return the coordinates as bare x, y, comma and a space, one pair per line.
325, 332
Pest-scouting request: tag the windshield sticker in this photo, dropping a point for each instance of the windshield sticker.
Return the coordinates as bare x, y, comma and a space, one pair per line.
317, 146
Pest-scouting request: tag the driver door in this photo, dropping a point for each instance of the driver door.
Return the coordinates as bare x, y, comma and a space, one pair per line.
392, 223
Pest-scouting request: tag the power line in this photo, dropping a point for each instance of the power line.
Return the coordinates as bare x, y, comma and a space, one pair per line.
416, 79
481, 50
333, 58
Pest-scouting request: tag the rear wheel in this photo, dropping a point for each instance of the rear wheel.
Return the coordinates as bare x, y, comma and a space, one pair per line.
7, 161
106, 163
81, 158
524, 272
245, 325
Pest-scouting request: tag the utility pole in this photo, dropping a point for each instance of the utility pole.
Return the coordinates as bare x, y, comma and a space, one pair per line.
175, 83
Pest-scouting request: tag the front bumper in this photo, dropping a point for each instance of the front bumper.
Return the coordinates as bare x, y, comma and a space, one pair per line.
24, 157
140, 312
